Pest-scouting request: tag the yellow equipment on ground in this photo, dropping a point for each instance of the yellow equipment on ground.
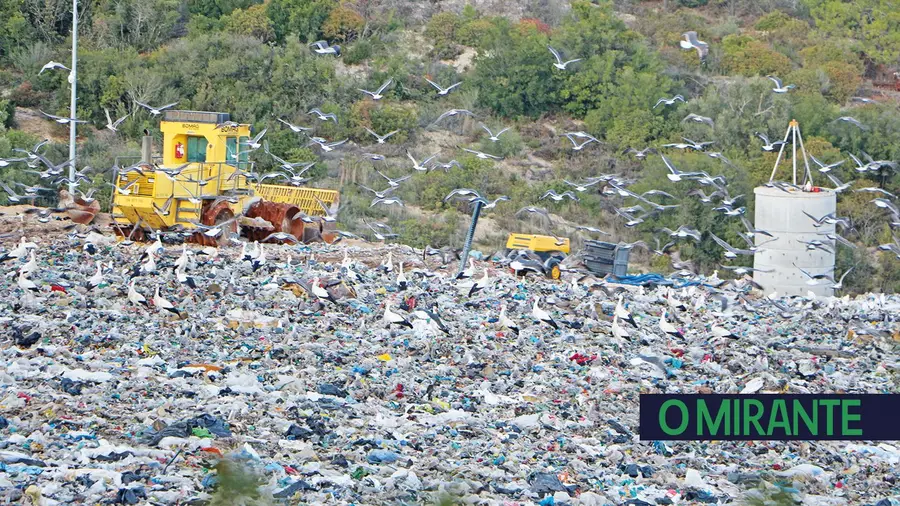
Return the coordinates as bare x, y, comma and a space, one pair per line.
201, 179
551, 250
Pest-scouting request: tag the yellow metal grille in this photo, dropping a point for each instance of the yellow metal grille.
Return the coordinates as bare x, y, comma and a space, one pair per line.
143, 187
304, 198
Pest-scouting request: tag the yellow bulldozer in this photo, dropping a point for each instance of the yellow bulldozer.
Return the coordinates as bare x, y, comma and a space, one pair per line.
201, 181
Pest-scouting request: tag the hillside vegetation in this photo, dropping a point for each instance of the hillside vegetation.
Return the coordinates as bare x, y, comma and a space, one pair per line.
253, 60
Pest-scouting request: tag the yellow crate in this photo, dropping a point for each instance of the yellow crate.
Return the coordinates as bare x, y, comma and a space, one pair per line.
304, 198
537, 243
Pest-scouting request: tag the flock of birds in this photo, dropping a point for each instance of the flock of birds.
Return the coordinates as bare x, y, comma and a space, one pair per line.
648, 203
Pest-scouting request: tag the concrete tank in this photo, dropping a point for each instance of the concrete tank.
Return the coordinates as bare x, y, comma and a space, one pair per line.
781, 214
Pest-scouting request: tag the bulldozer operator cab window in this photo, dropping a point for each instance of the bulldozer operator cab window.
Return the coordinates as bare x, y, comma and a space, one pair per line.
196, 149
231, 150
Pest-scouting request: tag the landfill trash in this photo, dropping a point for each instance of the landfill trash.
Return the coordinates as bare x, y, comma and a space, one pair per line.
259, 386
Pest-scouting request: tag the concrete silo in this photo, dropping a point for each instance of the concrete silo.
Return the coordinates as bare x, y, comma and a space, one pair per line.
781, 214
782, 211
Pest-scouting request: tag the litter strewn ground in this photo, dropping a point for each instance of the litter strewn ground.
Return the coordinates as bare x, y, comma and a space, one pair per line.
255, 388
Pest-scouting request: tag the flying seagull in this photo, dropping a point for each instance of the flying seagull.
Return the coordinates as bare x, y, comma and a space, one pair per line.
61, 120
381, 138
421, 167
690, 41
454, 112
853, 121
768, 145
576, 146
730, 251
52, 65
862, 100
696, 118
254, 142
393, 183
156, 111
825, 168
322, 116
113, 125
642, 154
494, 137
377, 94
560, 64
440, 89
295, 128
482, 155
322, 47
779, 87
669, 101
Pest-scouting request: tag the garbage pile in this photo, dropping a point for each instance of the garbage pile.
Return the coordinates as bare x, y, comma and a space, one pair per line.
266, 374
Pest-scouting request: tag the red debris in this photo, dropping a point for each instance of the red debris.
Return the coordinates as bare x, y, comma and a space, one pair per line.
583, 359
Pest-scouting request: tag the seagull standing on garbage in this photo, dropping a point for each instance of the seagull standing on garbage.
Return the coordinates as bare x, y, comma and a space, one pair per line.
148, 267
479, 285
721, 332
402, 283
30, 266
164, 304
184, 279
617, 330
543, 316
623, 313
155, 248
393, 318
321, 293
388, 264
468, 272
432, 317
95, 280
19, 251
260, 259
668, 328
135, 297
505, 322
26, 284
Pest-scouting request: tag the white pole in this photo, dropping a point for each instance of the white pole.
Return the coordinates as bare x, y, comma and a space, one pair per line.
805, 159
794, 156
74, 79
787, 134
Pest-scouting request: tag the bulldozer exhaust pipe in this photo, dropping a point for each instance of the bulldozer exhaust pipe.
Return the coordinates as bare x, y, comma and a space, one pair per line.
147, 149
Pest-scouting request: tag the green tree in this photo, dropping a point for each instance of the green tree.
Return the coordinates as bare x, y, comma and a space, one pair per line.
746, 56
343, 24
441, 29
138, 24
252, 22
302, 17
514, 77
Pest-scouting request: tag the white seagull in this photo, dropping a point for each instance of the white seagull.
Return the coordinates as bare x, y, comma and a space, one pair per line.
381, 138
543, 316
156, 111
392, 318
560, 64
494, 137
690, 41
669, 101
377, 94
113, 125
163, 304
440, 89
779, 87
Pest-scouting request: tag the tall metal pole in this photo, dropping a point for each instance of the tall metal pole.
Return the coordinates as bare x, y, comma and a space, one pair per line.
794, 148
469, 236
73, 79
